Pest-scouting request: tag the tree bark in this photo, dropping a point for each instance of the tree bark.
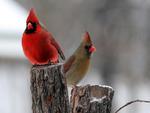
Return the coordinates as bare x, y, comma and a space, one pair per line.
91, 99
49, 90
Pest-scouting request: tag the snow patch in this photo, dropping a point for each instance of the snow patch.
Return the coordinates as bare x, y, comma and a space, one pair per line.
94, 99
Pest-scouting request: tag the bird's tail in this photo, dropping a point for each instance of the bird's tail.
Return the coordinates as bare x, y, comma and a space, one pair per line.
61, 54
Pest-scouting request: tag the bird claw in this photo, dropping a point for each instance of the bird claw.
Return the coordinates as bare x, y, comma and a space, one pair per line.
52, 63
75, 89
43, 65
39, 65
35, 65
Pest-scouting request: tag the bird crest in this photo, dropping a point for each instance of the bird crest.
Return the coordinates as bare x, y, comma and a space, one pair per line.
32, 16
86, 38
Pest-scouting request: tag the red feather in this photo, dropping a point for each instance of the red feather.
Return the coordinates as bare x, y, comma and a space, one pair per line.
38, 44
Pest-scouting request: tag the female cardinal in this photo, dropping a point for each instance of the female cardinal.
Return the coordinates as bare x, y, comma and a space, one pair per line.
38, 44
77, 65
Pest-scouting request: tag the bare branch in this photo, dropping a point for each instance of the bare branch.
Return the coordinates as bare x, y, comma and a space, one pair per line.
131, 102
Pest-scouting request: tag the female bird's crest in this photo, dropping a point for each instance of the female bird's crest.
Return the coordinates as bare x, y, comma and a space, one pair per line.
88, 43
32, 17
87, 38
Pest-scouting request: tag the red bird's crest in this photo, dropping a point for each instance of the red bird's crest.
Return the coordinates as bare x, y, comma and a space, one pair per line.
32, 16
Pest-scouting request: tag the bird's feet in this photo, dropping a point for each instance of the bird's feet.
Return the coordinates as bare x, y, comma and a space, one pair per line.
74, 91
43, 65
36, 65
53, 62
74, 94
40, 65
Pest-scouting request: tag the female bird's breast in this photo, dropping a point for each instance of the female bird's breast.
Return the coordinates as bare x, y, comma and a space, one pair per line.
77, 71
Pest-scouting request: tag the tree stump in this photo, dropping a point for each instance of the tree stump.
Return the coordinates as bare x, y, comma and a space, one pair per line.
91, 99
49, 89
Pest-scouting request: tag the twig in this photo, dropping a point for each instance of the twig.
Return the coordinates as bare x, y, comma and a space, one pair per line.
131, 102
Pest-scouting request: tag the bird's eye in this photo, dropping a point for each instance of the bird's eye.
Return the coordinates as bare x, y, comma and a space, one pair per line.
87, 46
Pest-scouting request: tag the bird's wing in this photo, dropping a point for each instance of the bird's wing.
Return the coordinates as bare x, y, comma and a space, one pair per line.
53, 42
58, 48
69, 63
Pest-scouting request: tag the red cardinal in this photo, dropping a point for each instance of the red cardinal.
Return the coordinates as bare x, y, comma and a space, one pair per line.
38, 44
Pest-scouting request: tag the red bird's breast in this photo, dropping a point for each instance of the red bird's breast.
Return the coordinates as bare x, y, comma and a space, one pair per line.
38, 48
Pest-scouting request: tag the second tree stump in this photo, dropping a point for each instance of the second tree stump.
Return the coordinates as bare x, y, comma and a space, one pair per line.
91, 99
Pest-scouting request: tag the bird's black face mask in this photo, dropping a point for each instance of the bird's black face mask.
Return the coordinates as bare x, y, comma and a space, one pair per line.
30, 27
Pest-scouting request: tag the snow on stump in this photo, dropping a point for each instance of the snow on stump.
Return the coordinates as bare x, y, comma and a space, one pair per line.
49, 90
91, 99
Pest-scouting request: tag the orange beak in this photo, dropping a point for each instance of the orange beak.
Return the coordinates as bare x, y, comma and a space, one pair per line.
29, 26
92, 49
